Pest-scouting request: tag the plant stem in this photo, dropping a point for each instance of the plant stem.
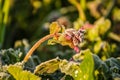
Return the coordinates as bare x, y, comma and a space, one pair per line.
4, 13
80, 10
110, 8
36, 45
114, 36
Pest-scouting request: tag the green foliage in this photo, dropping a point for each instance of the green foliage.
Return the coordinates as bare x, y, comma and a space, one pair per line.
4, 12
87, 73
114, 65
18, 73
108, 69
10, 56
116, 14
59, 37
82, 67
48, 67
80, 71
103, 25
31, 19
54, 28
100, 28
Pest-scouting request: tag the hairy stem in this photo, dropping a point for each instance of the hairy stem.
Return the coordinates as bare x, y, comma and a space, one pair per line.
36, 45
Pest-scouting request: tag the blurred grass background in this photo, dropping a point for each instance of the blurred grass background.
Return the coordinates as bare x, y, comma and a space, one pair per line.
23, 22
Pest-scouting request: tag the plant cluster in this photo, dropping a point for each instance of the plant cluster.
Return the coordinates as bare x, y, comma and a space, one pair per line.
82, 47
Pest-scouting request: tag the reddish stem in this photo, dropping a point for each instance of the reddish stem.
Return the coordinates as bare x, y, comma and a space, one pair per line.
36, 45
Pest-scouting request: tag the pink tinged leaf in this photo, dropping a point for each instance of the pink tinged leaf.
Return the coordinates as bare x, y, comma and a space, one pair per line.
76, 49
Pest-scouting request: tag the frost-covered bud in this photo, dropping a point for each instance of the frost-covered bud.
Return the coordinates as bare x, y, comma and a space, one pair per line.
75, 36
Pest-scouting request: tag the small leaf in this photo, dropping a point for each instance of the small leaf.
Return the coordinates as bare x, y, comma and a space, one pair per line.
48, 67
103, 25
19, 74
64, 42
52, 41
54, 28
116, 15
61, 40
92, 34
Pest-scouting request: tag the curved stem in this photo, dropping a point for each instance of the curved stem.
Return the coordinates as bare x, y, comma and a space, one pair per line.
79, 8
110, 8
36, 45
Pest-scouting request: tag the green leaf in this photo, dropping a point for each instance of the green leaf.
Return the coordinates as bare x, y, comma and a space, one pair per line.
101, 69
70, 68
87, 66
79, 71
92, 34
19, 74
52, 41
10, 56
116, 15
48, 67
114, 65
54, 28
103, 25
61, 40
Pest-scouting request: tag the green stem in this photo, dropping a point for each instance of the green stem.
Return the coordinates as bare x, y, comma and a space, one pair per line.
4, 9
114, 36
80, 10
110, 8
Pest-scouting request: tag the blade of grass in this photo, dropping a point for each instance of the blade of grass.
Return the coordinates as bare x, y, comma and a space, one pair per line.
4, 11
